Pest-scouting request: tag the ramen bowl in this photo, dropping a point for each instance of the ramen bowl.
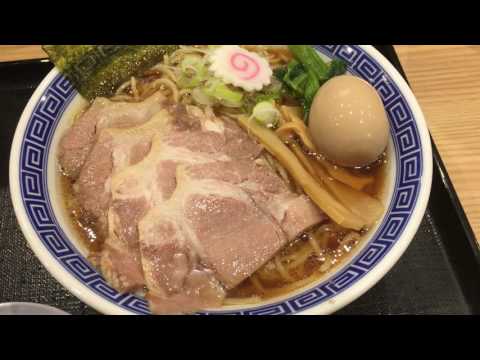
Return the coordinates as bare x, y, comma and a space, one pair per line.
39, 208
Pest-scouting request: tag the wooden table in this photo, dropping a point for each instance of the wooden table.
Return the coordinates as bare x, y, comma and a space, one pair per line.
446, 81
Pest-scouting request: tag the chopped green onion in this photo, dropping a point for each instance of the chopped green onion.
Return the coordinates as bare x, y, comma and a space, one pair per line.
192, 62
199, 96
194, 72
266, 114
221, 92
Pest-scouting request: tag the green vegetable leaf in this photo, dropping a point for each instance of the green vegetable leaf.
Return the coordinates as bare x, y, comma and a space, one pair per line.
295, 78
304, 75
310, 60
311, 89
336, 68
279, 73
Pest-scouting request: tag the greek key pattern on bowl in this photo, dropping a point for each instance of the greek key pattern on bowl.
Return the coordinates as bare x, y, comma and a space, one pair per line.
33, 179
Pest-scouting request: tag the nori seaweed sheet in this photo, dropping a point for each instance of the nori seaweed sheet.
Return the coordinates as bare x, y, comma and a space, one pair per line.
98, 70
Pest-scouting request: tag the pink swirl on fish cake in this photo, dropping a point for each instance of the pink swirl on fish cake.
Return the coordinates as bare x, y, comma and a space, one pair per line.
247, 67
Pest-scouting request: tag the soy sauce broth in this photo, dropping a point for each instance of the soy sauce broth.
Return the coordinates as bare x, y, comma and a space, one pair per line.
272, 284
316, 266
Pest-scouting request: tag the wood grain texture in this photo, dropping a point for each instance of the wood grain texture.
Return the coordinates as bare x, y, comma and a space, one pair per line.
446, 81
21, 52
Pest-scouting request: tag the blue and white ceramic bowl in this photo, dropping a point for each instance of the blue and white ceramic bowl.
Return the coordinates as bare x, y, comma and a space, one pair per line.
38, 203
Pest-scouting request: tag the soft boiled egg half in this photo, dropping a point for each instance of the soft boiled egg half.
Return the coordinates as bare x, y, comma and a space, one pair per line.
348, 122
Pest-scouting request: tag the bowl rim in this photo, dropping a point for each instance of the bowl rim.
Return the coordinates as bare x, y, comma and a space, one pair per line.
345, 297
67, 280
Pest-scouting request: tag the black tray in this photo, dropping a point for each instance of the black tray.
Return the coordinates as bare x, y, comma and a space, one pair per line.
438, 274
